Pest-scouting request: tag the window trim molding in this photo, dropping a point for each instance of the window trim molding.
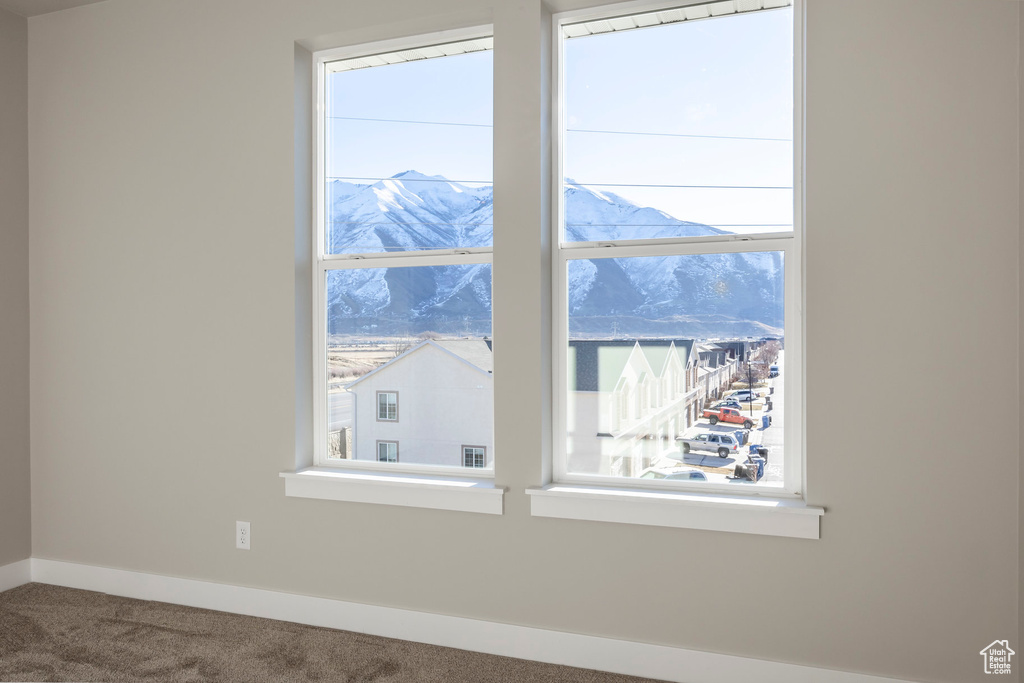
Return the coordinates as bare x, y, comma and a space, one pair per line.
386, 419
380, 442
679, 509
473, 467
789, 243
396, 488
322, 262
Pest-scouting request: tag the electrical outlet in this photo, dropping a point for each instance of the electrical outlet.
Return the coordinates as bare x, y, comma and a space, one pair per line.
242, 536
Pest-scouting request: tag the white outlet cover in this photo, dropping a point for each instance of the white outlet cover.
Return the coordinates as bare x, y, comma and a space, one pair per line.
243, 536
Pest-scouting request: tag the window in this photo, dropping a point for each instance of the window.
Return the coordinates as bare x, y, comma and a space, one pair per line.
387, 451
387, 406
678, 246
403, 242
474, 456
675, 269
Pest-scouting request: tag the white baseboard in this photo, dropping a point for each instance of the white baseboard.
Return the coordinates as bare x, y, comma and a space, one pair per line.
15, 574
554, 647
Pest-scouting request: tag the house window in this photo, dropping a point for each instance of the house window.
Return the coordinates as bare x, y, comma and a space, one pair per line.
403, 243
474, 456
387, 451
387, 406
678, 236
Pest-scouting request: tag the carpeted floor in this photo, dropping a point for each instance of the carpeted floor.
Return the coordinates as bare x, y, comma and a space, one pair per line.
48, 633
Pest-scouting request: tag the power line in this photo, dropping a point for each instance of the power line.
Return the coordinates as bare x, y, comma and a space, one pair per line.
569, 130
670, 225
406, 223
425, 123
676, 135
688, 187
489, 182
410, 180
574, 225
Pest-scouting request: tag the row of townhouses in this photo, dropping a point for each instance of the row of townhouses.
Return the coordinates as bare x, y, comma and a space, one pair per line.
628, 400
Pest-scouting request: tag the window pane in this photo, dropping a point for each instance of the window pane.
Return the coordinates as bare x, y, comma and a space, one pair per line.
408, 156
387, 406
387, 451
414, 336
655, 343
680, 130
474, 457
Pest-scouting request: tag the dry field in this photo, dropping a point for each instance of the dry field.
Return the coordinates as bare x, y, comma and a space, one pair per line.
356, 357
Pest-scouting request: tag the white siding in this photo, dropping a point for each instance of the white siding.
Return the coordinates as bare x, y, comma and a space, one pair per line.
444, 403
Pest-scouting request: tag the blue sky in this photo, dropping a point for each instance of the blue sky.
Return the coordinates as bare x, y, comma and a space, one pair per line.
729, 76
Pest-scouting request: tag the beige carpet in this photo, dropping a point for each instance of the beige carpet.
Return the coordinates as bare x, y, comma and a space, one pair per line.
49, 633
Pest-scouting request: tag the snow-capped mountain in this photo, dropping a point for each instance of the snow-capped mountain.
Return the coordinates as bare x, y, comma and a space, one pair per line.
408, 211
696, 296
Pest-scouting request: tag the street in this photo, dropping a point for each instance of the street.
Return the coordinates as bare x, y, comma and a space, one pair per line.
716, 468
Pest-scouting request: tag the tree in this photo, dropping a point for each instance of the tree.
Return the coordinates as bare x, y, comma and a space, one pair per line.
769, 352
398, 345
756, 371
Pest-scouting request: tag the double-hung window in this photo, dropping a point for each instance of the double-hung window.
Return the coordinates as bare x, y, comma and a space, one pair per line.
677, 263
474, 456
387, 406
402, 281
387, 451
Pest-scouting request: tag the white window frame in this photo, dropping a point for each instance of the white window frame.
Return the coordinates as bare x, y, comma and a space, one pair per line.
385, 442
387, 405
323, 262
482, 449
789, 243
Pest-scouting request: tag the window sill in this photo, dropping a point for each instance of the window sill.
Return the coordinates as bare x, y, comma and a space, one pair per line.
409, 490
764, 516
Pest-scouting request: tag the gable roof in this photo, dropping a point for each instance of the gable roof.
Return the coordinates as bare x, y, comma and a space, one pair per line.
596, 365
473, 352
477, 352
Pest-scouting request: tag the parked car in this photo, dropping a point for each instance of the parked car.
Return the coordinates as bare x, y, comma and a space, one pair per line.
712, 442
727, 403
744, 395
683, 473
730, 415
773, 371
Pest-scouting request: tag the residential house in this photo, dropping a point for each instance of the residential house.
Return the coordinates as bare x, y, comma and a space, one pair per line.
432, 405
628, 400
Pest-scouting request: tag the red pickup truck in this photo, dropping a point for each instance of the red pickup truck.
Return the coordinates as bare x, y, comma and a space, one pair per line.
728, 415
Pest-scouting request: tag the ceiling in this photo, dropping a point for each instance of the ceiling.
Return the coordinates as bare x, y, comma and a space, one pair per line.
30, 8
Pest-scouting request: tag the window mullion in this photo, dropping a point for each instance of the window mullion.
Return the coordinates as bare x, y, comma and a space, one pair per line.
449, 257
675, 248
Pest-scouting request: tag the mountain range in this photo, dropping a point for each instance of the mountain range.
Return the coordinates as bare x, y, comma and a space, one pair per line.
702, 296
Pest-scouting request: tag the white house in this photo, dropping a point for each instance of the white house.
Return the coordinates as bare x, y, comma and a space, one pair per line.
432, 405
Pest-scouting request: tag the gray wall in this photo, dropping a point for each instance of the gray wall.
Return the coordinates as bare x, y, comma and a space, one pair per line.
163, 345
15, 509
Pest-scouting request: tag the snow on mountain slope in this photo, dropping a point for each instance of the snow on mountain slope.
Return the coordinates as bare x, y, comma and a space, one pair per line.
696, 295
409, 211
598, 216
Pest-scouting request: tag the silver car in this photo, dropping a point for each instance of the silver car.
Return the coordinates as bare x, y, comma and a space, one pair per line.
684, 473
712, 442
744, 395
